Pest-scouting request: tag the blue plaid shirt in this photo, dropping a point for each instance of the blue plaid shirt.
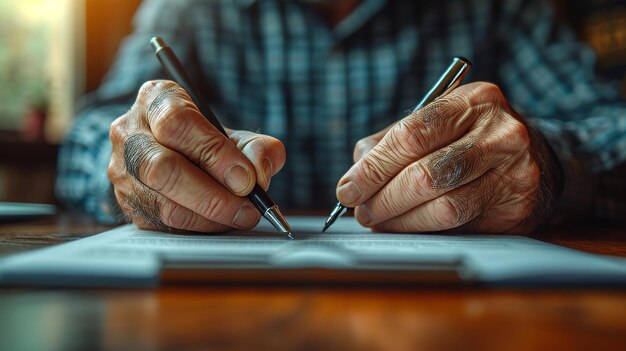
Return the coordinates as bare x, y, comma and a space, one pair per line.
277, 67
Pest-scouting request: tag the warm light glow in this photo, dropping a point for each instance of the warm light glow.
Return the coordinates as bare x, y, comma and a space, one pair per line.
36, 38
37, 11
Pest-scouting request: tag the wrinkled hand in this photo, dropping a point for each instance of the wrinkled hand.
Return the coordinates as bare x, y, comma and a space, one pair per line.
171, 168
466, 161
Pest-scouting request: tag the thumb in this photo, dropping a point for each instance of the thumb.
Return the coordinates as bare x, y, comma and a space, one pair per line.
266, 153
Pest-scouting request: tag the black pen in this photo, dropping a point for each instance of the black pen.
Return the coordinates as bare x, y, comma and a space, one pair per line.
449, 80
175, 69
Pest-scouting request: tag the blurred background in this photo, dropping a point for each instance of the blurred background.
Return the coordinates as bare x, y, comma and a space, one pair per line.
49, 58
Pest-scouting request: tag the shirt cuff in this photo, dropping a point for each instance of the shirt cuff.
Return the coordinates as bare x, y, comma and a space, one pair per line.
578, 184
103, 205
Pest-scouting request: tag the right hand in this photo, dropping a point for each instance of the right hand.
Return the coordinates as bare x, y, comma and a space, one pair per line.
171, 169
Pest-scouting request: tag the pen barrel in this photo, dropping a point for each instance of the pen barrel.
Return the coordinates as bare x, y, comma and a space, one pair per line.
260, 199
449, 80
175, 69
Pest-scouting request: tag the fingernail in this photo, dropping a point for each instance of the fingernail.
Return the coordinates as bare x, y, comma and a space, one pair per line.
237, 179
246, 217
268, 169
348, 193
365, 215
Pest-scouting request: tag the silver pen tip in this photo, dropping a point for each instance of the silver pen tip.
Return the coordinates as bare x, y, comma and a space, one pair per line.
327, 224
277, 219
337, 212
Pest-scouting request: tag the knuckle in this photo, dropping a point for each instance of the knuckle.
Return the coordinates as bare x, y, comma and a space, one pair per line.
256, 149
279, 151
154, 86
447, 214
246, 140
212, 207
362, 147
112, 172
172, 121
274, 144
462, 102
147, 89
406, 139
160, 172
270, 145
455, 104
362, 143
161, 98
417, 179
282, 152
165, 85
439, 112
118, 129
373, 169
489, 90
518, 133
207, 151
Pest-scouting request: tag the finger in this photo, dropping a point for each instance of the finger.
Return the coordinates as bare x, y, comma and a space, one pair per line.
415, 136
451, 210
172, 175
151, 211
366, 144
443, 170
266, 153
177, 124
143, 206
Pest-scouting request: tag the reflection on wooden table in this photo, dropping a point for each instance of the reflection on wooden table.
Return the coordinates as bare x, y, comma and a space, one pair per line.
309, 318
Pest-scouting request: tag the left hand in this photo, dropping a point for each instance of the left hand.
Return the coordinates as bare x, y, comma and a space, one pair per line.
467, 161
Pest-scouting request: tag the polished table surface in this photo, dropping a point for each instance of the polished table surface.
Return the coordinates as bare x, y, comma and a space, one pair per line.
311, 317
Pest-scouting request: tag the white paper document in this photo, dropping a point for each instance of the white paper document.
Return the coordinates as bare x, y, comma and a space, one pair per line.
347, 253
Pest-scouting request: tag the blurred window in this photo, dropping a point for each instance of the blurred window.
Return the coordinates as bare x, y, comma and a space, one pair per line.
38, 75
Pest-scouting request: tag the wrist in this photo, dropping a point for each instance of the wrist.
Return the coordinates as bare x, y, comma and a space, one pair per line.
551, 180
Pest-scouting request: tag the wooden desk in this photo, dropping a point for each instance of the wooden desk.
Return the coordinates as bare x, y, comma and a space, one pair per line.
27, 169
312, 318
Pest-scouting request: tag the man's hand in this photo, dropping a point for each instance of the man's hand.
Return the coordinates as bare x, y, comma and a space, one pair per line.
465, 161
171, 168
